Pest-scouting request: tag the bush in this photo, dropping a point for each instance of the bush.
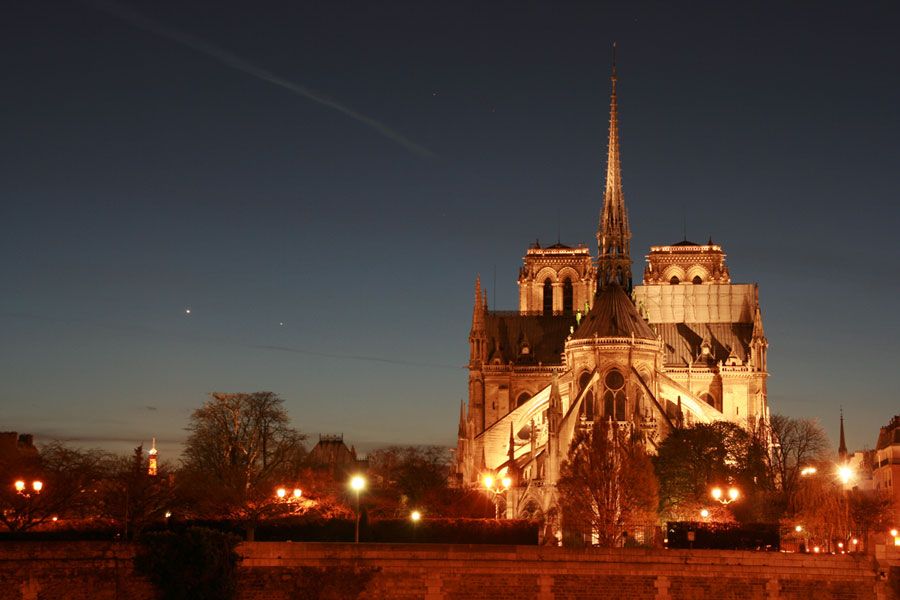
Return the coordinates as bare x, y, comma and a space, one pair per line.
724, 536
426, 531
193, 563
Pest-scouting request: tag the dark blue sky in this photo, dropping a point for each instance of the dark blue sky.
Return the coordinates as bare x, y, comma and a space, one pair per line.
146, 172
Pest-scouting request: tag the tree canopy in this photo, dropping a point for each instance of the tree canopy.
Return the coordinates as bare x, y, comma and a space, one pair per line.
607, 485
240, 447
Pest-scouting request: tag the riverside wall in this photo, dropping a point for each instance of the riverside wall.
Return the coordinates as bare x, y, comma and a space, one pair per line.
289, 571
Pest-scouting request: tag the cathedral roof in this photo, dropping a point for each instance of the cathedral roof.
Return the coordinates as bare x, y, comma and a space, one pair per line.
613, 315
683, 341
509, 334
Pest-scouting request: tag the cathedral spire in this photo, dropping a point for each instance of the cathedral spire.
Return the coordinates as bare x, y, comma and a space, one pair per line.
614, 235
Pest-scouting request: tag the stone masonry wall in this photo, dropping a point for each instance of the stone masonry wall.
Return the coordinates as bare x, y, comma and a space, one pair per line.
289, 571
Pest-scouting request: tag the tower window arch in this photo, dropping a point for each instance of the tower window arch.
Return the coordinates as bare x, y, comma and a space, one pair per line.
568, 301
674, 280
548, 297
697, 280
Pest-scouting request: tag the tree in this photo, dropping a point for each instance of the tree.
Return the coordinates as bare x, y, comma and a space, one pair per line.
410, 477
240, 448
69, 477
693, 460
129, 495
607, 485
796, 443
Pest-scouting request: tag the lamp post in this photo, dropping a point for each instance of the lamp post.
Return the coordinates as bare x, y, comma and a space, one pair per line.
291, 499
720, 496
357, 483
415, 516
496, 488
22, 489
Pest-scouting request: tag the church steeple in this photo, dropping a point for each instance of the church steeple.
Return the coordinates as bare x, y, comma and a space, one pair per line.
842, 448
613, 235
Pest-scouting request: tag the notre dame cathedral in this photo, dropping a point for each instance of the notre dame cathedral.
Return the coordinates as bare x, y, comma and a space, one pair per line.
686, 346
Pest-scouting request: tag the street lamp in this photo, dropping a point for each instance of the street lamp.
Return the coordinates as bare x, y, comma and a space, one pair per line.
704, 513
415, 516
357, 483
496, 488
36, 485
733, 494
845, 474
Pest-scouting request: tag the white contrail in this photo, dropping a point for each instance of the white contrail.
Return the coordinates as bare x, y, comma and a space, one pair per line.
235, 62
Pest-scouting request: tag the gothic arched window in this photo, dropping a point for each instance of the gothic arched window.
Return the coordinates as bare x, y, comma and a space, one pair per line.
548, 297
567, 296
614, 401
674, 280
523, 398
697, 280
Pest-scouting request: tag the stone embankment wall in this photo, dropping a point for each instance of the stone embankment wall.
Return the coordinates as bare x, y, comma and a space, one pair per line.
287, 571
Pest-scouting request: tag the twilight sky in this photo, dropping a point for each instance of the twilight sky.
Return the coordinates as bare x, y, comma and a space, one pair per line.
319, 183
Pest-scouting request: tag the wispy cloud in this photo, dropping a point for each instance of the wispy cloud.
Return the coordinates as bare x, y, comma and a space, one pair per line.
141, 330
229, 59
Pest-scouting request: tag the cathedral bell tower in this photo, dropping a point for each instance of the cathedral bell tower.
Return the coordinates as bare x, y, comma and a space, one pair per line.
613, 235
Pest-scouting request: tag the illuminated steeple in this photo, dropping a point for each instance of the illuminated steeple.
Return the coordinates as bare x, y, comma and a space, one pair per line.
152, 467
613, 235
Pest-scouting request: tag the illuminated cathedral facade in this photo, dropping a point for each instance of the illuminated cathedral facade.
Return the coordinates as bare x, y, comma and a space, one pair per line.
686, 346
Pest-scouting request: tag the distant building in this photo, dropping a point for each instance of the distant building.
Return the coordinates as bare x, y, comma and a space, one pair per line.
332, 454
15, 447
886, 467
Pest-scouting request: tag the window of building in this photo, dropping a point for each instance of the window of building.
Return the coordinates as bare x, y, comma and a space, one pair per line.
674, 281
567, 295
523, 398
614, 401
697, 280
548, 297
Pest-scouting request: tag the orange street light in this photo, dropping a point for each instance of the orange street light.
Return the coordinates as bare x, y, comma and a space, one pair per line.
415, 516
845, 473
496, 488
36, 485
733, 495
281, 492
357, 483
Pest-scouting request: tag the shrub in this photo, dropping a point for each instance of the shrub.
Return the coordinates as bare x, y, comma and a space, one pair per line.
193, 563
